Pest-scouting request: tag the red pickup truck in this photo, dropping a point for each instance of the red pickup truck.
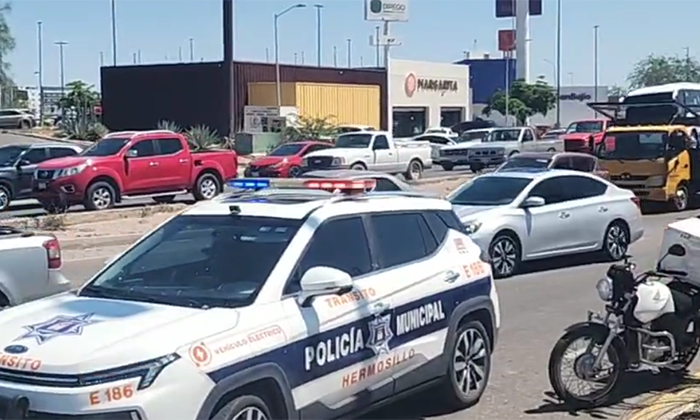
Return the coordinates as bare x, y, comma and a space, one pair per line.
133, 164
578, 134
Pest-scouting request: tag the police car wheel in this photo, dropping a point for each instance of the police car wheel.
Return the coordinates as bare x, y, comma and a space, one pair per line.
469, 365
245, 407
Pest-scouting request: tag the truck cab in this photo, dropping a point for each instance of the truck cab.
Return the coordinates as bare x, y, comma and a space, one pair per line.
578, 135
375, 151
660, 163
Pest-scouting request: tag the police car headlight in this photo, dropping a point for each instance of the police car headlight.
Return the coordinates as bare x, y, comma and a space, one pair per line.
472, 227
605, 289
148, 371
305, 162
656, 181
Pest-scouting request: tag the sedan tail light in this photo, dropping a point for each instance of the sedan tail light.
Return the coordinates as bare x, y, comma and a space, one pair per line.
53, 253
637, 202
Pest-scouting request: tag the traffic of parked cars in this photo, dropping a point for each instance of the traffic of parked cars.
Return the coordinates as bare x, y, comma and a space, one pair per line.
359, 281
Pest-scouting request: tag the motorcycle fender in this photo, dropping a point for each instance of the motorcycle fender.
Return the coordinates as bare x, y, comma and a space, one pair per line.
602, 331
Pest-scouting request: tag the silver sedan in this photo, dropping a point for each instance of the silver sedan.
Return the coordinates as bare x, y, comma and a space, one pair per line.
524, 216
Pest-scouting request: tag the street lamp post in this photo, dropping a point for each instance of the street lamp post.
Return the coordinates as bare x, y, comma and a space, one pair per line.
349, 41
595, 63
40, 70
554, 68
318, 7
278, 86
114, 32
191, 50
60, 45
558, 64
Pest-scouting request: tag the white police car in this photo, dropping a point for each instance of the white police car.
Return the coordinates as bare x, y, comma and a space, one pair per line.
264, 303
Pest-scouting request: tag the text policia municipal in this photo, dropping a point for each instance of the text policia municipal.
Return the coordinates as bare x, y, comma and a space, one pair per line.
376, 335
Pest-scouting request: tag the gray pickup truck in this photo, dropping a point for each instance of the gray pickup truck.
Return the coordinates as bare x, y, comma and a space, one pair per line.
494, 149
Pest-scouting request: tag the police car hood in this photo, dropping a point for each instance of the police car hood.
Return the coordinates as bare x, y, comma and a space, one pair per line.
70, 334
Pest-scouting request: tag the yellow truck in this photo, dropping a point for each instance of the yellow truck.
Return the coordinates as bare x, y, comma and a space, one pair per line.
658, 162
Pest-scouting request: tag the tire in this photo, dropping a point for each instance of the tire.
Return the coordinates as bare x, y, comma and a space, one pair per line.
616, 241
294, 172
415, 171
5, 197
462, 367
25, 125
554, 368
238, 408
100, 196
448, 166
4, 302
164, 199
513, 153
358, 167
505, 255
476, 168
55, 206
681, 200
206, 187
551, 149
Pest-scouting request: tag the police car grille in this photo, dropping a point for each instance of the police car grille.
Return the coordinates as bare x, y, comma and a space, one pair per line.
40, 379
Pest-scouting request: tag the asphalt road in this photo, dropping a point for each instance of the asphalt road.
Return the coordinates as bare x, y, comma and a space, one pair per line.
535, 308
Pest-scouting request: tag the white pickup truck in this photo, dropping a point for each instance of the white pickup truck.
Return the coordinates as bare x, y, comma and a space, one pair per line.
30, 267
375, 151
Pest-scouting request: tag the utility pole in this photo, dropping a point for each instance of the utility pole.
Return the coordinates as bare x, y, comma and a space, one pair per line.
179, 54
267, 55
134, 58
114, 32
376, 44
61, 45
335, 56
191, 50
319, 8
687, 63
303, 58
40, 38
278, 84
349, 41
595, 63
296, 59
558, 124
138, 56
102, 58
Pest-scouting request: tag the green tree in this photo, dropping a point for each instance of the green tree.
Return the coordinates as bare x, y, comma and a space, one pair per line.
79, 97
310, 128
79, 119
524, 100
7, 45
615, 93
658, 70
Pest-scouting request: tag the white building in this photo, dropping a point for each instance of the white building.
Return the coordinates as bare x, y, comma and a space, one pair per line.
424, 94
52, 94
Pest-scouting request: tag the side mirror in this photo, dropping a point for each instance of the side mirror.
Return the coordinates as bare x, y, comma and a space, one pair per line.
676, 250
533, 201
23, 162
132, 153
321, 280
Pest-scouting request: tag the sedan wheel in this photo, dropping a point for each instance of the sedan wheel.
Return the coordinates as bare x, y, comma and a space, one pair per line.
505, 256
250, 413
616, 242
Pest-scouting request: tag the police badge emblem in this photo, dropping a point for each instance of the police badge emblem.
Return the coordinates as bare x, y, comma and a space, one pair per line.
380, 334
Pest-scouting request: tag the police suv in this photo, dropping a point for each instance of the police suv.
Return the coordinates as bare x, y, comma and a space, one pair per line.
309, 300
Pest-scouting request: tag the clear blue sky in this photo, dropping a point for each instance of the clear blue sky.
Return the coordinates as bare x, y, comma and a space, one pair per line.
438, 30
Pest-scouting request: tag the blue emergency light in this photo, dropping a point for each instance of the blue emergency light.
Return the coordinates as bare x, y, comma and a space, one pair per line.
249, 184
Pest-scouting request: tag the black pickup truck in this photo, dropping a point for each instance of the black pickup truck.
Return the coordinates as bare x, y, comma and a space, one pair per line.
18, 163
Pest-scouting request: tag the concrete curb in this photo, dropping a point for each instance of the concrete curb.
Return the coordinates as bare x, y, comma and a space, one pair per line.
45, 138
99, 241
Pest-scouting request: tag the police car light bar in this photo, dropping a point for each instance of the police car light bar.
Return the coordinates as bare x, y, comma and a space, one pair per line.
330, 185
361, 185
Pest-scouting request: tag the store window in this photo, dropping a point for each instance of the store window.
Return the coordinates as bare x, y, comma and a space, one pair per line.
451, 116
409, 122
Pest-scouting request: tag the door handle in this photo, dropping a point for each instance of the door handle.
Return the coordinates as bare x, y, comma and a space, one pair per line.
603, 209
184, 160
381, 309
153, 164
451, 277
564, 215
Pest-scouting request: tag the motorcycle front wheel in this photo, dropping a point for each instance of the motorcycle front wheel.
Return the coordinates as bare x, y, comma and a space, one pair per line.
571, 368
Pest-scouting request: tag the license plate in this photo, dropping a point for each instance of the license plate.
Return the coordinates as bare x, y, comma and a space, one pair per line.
318, 162
485, 160
254, 173
41, 185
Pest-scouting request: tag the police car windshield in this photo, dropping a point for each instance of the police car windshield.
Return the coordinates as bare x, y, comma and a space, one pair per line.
198, 261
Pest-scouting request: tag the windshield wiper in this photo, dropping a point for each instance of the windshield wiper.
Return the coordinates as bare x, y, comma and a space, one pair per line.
110, 293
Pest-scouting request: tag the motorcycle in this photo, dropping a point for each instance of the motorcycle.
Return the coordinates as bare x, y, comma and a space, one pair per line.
650, 322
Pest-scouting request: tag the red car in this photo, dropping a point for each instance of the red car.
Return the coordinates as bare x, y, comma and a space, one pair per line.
133, 164
285, 160
578, 134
